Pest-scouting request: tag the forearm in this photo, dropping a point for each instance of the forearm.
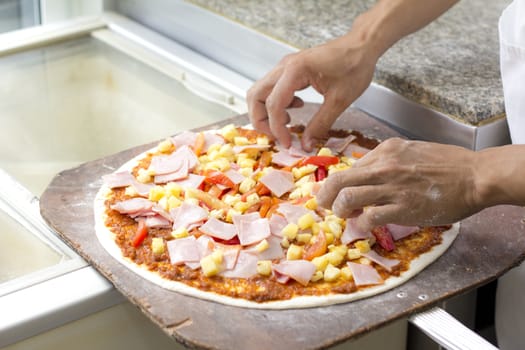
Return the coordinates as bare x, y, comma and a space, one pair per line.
390, 20
501, 177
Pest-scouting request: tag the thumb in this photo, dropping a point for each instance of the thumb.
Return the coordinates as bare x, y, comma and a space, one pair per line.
318, 127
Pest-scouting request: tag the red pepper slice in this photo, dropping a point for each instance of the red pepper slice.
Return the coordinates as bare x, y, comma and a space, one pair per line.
321, 160
384, 238
217, 177
140, 235
320, 173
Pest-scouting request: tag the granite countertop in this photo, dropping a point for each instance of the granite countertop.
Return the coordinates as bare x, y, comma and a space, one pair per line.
452, 65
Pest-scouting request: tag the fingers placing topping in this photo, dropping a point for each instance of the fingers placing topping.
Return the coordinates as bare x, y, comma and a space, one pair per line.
378, 216
351, 199
318, 127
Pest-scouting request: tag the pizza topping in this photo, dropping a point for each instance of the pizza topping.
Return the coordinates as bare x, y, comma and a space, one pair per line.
119, 179
250, 215
398, 232
157, 221
245, 267
133, 206
299, 270
378, 259
278, 182
284, 158
188, 214
219, 229
184, 250
339, 144
353, 150
353, 233
384, 238
253, 231
166, 164
364, 274
140, 235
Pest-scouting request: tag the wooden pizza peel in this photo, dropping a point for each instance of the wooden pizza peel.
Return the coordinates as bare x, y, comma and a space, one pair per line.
490, 243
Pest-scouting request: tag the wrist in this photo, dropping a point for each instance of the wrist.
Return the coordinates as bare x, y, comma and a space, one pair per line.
499, 178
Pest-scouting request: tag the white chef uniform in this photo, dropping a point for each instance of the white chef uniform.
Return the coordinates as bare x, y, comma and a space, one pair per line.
510, 299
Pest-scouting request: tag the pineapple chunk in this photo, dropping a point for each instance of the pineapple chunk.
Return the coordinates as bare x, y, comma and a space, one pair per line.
365, 261
325, 151
231, 213
173, 202
246, 185
217, 214
331, 273
193, 201
156, 193
304, 238
363, 246
209, 266
157, 245
165, 146
226, 150
290, 231
304, 170
174, 189
335, 258
285, 243
294, 252
335, 228
246, 172
317, 276
311, 204
340, 249
241, 206
305, 221
240, 141
320, 262
229, 132
253, 199
346, 273
145, 176
217, 256
264, 267
329, 238
263, 140
130, 191
295, 194
315, 228
262, 246
353, 254
180, 232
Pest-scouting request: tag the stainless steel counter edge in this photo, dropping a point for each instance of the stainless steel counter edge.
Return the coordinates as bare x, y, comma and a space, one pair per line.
252, 54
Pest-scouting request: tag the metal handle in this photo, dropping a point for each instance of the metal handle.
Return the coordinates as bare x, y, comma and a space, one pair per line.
449, 332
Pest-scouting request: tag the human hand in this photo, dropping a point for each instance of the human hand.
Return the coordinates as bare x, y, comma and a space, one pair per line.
407, 183
340, 70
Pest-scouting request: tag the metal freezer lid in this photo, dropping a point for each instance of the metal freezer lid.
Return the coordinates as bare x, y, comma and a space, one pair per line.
52, 300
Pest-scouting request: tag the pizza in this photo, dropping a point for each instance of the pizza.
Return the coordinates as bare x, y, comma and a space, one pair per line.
229, 216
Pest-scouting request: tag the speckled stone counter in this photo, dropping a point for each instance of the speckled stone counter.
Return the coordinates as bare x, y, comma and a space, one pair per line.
452, 65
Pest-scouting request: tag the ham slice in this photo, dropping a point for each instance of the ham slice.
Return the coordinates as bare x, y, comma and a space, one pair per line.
188, 138
284, 158
398, 232
352, 233
178, 174
278, 181
133, 206
277, 223
299, 270
339, 144
245, 267
380, 260
251, 229
157, 221
171, 163
184, 250
142, 189
120, 179
219, 229
293, 212
234, 176
192, 181
274, 251
188, 214
230, 253
364, 274
240, 149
